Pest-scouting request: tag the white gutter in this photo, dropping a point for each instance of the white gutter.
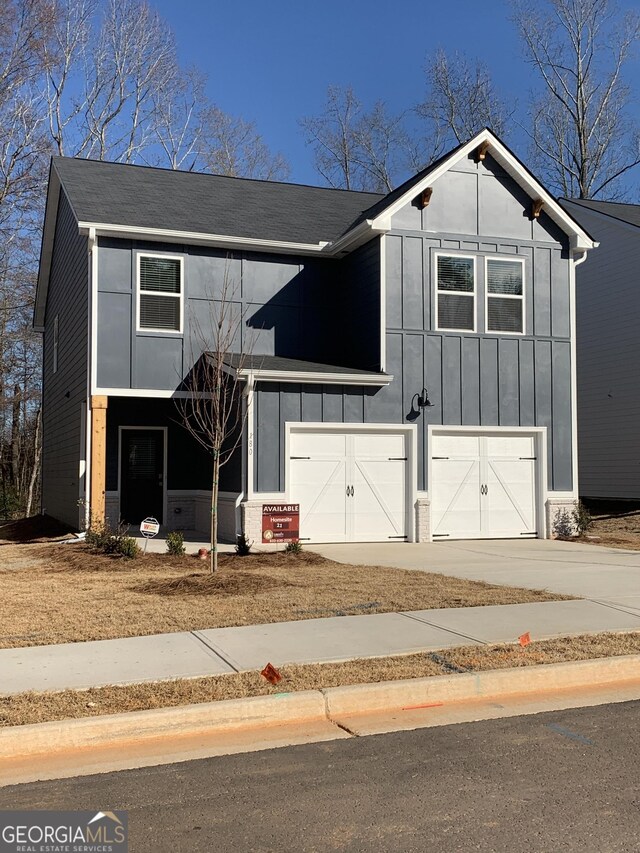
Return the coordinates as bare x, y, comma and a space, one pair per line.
199, 238
377, 379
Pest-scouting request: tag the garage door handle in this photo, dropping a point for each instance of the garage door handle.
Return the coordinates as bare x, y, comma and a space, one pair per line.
484, 490
349, 491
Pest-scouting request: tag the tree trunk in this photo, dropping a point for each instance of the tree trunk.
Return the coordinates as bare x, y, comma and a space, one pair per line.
36, 463
213, 554
16, 409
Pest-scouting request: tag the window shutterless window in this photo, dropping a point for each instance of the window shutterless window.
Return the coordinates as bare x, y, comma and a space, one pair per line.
160, 293
505, 295
456, 292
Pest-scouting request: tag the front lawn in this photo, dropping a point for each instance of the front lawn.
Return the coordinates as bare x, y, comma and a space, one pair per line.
61, 593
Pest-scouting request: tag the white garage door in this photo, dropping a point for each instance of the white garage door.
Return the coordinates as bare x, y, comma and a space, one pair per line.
483, 486
351, 487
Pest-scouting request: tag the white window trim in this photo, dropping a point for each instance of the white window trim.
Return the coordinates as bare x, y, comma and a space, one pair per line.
487, 295
56, 342
179, 296
469, 294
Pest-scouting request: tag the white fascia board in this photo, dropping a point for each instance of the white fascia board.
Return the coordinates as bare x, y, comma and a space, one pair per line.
198, 238
376, 379
514, 168
356, 237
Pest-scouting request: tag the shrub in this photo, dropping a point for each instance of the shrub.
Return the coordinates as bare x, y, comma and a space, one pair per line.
563, 525
581, 518
243, 546
175, 543
103, 538
294, 547
122, 546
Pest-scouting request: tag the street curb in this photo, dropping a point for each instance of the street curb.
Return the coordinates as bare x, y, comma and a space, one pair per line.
327, 704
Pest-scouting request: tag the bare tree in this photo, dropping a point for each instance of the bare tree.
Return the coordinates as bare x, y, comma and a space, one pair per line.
583, 137
213, 411
461, 100
229, 145
359, 150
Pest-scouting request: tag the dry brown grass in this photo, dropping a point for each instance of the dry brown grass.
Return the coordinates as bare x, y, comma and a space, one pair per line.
615, 530
26, 708
63, 593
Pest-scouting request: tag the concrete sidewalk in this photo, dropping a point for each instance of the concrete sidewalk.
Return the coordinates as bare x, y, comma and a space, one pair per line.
225, 650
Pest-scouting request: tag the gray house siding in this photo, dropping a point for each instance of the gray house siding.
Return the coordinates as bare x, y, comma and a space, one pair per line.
481, 378
608, 355
287, 304
65, 390
359, 308
474, 379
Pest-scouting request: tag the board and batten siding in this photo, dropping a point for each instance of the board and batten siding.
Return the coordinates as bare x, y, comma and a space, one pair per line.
608, 357
65, 390
287, 304
482, 378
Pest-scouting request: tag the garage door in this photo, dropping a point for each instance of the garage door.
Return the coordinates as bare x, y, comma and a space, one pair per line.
351, 487
483, 486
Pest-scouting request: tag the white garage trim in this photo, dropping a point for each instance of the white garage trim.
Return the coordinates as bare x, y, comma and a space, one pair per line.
409, 431
540, 436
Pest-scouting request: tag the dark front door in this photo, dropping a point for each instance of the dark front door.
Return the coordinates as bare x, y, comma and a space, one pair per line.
142, 475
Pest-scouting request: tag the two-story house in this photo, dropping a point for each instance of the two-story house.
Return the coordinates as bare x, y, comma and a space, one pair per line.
412, 368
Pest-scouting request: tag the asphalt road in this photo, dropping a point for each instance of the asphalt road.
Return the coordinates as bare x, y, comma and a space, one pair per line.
560, 781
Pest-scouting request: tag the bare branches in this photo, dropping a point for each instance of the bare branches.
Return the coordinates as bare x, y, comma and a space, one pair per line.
461, 100
358, 150
583, 140
213, 411
231, 146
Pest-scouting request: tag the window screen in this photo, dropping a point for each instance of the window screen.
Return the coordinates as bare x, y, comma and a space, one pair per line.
160, 294
505, 296
456, 292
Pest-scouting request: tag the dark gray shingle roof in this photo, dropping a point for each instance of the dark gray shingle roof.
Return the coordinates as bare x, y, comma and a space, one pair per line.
114, 193
277, 363
629, 213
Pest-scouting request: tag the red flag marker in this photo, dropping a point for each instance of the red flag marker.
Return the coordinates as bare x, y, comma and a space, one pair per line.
525, 639
271, 674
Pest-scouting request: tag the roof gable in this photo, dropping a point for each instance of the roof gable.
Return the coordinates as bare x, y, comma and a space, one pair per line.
486, 142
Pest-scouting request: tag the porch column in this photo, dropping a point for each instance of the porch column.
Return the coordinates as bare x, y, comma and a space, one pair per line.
98, 458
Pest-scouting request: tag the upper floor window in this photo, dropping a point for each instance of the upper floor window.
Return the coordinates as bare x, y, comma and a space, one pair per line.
456, 292
160, 293
56, 338
505, 295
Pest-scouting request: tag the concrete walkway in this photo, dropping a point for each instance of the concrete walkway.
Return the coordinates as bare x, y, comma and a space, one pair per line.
225, 650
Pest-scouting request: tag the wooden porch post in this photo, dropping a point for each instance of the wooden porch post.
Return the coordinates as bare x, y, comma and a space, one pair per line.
98, 458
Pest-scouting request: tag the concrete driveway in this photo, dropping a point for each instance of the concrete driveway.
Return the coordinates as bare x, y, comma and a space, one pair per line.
608, 575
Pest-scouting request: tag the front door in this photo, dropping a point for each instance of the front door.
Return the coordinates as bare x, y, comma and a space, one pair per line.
142, 475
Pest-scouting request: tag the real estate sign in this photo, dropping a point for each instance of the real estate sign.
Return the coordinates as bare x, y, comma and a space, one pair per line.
280, 522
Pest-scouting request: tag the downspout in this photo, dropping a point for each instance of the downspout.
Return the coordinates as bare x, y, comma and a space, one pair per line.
575, 262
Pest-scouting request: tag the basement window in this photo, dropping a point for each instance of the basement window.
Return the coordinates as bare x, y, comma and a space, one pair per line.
505, 295
160, 293
456, 292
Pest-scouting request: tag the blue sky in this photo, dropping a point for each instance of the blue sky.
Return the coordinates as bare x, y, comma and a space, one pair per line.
272, 62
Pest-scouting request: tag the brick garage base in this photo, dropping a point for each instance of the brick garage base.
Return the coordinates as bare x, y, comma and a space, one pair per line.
423, 519
555, 506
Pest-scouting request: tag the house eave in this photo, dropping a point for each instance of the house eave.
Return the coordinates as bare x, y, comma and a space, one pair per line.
370, 379
167, 235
